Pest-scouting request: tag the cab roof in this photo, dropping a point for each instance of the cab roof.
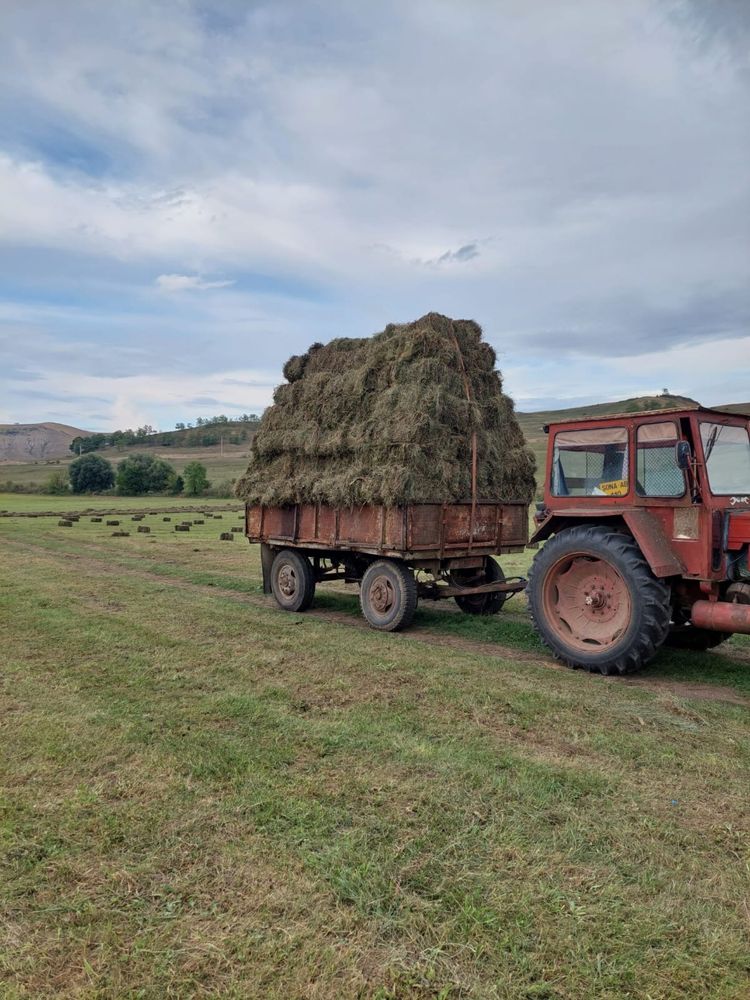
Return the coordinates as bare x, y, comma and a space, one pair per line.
636, 415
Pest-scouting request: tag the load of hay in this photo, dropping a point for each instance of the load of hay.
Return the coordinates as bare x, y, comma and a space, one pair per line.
391, 419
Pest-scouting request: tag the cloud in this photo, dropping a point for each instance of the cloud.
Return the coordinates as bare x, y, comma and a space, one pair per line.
464, 253
187, 282
313, 146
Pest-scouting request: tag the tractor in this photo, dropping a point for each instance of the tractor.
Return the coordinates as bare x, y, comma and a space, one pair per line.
646, 528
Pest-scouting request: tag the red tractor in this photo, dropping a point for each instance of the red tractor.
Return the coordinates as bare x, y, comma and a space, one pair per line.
646, 523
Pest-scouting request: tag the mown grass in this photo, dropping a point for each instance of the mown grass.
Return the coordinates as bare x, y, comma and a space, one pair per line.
203, 796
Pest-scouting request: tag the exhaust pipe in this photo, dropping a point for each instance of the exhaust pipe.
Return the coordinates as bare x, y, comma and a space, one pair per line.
721, 616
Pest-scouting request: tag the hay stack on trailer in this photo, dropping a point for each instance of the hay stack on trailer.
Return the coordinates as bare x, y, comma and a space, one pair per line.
415, 414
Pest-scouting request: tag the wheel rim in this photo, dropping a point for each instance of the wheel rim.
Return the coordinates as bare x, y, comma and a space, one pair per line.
287, 581
382, 596
587, 603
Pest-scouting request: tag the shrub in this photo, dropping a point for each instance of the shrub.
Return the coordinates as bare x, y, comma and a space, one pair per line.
56, 484
196, 480
91, 474
144, 474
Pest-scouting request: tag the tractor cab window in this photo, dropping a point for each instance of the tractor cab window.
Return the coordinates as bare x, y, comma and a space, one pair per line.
590, 463
657, 473
726, 452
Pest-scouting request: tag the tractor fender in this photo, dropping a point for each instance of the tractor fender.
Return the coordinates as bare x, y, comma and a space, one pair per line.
646, 529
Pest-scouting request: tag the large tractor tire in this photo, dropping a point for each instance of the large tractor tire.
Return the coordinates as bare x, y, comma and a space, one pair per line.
595, 602
388, 595
480, 604
292, 581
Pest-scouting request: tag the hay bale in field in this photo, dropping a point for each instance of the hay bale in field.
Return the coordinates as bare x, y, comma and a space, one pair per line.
74, 517
112, 524
217, 517
96, 520
64, 523
188, 523
182, 527
120, 534
391, 419
226, 536
137, 517
236, 529
166, 519
199, 521
143, 529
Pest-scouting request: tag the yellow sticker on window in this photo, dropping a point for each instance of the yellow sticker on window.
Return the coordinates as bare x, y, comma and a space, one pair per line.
615, 488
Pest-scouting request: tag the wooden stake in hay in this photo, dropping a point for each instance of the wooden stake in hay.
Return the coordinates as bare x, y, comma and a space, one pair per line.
414, 414
226, 536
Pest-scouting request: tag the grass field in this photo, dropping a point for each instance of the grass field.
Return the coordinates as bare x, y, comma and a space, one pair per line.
203, 796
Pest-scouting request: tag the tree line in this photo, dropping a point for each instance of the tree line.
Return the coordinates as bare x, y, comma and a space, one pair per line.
134, 475
206, 431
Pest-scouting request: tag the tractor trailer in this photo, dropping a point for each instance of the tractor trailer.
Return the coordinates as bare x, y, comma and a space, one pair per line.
645, 522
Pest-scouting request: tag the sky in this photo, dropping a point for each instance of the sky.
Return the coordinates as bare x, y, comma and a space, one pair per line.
193, 190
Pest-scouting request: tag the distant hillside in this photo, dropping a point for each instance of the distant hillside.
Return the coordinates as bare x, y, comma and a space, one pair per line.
36, 442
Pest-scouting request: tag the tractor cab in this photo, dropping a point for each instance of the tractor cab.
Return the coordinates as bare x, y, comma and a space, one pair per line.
676, 483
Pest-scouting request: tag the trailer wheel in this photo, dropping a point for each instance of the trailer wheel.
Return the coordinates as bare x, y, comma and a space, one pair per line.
480, 604
595, 602
292, 581
388, 595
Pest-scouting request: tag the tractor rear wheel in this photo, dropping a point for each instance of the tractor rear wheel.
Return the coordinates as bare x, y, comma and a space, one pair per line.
595, 602
292, 581
388, 595
480, 604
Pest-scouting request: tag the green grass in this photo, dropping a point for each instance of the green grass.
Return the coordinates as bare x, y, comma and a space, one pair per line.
203, 796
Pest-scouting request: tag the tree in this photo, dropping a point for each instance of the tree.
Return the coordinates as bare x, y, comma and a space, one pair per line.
196, 481
91, 474
144, 474
57, 484
178, 485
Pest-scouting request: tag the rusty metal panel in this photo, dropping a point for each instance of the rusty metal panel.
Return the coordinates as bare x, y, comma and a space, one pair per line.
457, 521
360, 525
424, 522
393, 535
738, 533
326, 524
515, 524
279, 522
654, 544
306, 523
253, 521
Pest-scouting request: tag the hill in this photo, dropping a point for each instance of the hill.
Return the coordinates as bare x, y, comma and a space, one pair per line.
36, 442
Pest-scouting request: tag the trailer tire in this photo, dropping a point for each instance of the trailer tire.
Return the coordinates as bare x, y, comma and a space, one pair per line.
480, 604
388, 595
595, 602
292, 581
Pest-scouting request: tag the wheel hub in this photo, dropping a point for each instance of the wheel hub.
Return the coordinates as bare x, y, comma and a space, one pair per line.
588, 602
382, 595
287, 581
